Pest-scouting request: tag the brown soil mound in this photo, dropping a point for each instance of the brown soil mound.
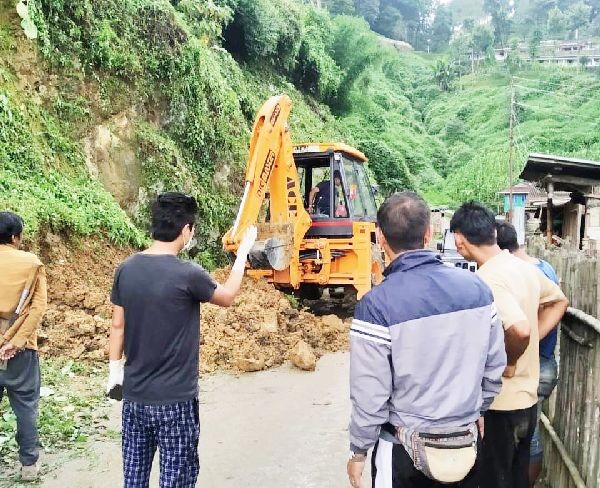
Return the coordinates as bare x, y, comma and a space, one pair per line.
256, 333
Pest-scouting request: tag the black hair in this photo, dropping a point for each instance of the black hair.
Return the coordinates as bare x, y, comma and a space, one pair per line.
404, 219
337, 174
506, 235
171, 212
476, 222
11, 225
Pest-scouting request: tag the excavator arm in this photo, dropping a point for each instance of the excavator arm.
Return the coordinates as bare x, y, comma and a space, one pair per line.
271, 169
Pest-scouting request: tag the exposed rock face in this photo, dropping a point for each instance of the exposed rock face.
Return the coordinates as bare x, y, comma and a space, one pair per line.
110, 156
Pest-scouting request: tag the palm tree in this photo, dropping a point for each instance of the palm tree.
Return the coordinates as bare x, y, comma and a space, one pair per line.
442, 74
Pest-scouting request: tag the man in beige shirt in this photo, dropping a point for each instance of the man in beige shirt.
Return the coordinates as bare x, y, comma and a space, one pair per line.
23, 300
527, 303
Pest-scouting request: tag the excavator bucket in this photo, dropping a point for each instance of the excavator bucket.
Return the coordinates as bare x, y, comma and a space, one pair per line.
273, 248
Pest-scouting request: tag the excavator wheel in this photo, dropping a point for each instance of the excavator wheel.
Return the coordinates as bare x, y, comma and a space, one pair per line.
309, 291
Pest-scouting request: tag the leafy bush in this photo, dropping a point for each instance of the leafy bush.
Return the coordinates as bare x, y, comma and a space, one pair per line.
266, 31
316, 72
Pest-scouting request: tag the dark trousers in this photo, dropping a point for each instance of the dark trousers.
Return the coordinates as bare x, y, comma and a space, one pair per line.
506, 448
392, 467
21, 380
175, 430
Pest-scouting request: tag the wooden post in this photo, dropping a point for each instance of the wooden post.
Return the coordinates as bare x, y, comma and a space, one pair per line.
549, 225
511, 118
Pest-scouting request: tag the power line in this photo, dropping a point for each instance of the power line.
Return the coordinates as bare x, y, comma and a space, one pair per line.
538, 81
555, 94
562, 112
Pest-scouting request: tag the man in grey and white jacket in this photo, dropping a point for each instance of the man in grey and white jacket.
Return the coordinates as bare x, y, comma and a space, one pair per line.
427, 355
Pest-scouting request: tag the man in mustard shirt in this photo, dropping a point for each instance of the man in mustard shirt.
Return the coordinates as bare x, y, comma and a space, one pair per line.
527, 303
23, 300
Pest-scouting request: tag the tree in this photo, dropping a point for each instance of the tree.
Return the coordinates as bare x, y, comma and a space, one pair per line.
579, 15
441, 28
460, 52
595, 26
341, 7
390, 23
584, 61
369, 9
534, 44
468, 24
500, 11
557, 22
513, 60
483, 39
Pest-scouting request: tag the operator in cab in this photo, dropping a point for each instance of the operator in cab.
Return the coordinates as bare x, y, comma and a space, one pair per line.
319, 198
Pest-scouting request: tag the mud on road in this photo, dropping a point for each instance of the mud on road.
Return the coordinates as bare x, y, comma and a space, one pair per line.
257, 333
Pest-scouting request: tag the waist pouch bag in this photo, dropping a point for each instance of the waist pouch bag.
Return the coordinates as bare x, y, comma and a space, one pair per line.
443, 454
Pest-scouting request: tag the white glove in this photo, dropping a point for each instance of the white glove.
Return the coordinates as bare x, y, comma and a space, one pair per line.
248, 240
246, 244
116, 371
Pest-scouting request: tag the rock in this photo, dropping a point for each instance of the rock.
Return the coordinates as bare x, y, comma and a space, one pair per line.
77, 351
94, 299
303, 356
334, 322
97, 355
249, 364
270, 324
87, 327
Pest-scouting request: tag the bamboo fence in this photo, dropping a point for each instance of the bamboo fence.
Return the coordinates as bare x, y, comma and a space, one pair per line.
571, 423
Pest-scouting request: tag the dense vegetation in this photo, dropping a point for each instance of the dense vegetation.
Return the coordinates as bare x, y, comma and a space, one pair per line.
555, 111
187, 76
108, 55
430, 24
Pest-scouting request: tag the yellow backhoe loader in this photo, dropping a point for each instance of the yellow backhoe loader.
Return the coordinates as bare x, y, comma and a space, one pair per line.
314, 208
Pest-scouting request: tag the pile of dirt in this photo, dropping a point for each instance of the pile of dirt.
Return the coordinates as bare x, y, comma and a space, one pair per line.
259, 331
77, 321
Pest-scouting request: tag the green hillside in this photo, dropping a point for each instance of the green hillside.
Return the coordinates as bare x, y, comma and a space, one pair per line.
115, 101
556, 111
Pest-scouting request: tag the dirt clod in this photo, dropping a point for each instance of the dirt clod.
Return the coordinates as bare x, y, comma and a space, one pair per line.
249, 365
303, 356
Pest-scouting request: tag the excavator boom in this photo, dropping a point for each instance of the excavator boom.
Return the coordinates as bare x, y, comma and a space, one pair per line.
270, 171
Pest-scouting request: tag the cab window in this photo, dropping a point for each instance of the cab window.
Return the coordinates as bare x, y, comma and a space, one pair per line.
366, 192
352, 190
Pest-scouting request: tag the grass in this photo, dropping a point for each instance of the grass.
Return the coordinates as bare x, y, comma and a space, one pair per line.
73, 409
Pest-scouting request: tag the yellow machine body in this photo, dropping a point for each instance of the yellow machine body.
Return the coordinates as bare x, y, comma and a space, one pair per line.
305, 250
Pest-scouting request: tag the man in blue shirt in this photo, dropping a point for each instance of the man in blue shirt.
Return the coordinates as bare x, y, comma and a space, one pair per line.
507, 239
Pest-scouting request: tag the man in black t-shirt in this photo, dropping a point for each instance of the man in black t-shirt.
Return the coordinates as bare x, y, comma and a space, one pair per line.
319, 198
156, 324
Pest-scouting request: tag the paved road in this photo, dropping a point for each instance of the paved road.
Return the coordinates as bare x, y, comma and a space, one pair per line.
282, 428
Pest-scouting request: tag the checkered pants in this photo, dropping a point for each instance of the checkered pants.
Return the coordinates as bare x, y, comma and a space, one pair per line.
175, 430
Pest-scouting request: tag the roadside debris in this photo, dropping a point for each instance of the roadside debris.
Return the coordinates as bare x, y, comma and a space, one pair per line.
303, 356
257, 333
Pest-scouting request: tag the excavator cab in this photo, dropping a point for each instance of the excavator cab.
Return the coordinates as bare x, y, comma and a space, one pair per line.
335, 188
314, 209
